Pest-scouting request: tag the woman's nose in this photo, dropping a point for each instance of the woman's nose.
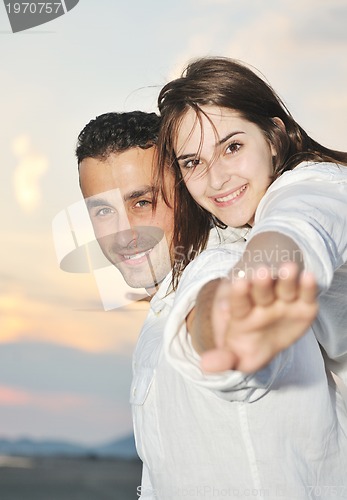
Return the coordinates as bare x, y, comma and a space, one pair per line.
219, 174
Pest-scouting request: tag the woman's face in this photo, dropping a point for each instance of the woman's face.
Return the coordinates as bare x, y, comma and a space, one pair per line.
226, 163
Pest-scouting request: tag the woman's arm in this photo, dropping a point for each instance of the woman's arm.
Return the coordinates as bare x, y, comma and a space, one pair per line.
267, 304
303, 217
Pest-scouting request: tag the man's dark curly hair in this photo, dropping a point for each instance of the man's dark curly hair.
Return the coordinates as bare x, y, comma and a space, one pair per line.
117, 132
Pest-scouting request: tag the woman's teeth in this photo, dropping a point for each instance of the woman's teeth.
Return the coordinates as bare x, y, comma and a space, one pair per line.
231, 196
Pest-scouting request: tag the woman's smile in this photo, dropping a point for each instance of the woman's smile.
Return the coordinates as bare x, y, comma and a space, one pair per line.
229, 198
226, 162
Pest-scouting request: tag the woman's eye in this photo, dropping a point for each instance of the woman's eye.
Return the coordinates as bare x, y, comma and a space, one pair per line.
233, 147
191, 163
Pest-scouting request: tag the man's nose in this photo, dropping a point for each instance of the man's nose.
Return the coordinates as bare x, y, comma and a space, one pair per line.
126, 240
123, 223
126, 235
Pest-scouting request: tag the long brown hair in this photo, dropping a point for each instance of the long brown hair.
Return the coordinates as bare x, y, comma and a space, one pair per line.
225, 83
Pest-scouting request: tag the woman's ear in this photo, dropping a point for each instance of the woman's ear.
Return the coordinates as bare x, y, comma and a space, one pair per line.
278, 123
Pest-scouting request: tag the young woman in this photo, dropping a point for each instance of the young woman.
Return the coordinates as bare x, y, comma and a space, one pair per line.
243, 161
272, 424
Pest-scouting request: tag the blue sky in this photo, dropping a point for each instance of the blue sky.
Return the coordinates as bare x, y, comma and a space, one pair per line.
64, 361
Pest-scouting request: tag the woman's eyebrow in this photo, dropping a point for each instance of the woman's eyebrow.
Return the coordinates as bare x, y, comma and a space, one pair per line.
219, 143
184, 157
227, 137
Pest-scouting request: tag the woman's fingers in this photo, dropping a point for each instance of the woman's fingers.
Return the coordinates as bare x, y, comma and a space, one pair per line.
262, 290
308, 288
217, 360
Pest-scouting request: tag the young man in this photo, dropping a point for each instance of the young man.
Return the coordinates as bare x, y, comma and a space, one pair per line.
116, 155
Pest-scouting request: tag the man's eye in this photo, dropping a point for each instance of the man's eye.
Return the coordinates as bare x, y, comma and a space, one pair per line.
233, 147
143, 203
104, 211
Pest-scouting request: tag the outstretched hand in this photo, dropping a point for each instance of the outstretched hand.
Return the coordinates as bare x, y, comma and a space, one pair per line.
255, 318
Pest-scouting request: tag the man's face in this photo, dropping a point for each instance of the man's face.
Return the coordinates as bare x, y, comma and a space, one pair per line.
119, 193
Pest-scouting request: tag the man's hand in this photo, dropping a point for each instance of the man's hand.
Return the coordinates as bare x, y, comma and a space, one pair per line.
254, 318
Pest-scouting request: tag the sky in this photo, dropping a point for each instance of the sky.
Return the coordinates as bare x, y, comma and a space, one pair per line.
65, 361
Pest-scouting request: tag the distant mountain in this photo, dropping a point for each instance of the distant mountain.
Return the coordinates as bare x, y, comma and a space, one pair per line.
122, 448
29, 447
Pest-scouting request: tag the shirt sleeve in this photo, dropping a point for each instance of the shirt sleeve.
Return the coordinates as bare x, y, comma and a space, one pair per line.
230, 385
309, 205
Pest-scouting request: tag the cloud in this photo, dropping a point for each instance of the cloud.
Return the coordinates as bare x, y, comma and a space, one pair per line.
299, 47
327, 23
197, 45
51, 390
44, 367
30, 168
28, 318
13, 397
296, 42
304, 63
38, 301
283, 39
10, 396
211, 2
85, 419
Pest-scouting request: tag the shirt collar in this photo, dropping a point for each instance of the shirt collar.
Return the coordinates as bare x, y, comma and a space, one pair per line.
164, 296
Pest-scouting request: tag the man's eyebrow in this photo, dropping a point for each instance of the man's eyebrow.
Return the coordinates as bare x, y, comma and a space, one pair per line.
93, 202
219, 143
138, 193
96, 202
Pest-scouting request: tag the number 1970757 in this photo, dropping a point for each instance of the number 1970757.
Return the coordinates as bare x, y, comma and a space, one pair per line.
34, 7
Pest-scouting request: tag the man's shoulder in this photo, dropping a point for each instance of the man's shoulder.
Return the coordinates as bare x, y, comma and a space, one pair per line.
164, 296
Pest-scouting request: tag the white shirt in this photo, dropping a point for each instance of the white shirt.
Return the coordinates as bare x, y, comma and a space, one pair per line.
149, 349
282, 431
